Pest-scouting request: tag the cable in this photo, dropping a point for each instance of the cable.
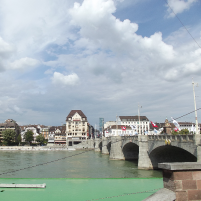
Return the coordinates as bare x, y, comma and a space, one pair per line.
75, 154
182, 24
125, 194
187, 113
53, 160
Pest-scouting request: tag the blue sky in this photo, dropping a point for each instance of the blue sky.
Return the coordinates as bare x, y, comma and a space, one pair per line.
101, 56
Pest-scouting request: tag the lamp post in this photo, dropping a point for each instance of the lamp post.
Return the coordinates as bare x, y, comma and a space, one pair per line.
196, 118
116, 126
139, 106
103, 128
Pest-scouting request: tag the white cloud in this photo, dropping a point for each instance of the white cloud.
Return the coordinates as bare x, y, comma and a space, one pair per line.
178, 6
114, 61
5, 48
33, 25
24, 64
100, 27
60, 79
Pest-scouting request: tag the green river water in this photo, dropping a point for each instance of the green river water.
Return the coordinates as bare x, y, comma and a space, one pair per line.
79, 176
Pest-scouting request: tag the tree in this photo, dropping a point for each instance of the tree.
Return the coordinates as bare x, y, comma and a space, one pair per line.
184, 131
28, 136
8, 136
175, 132
40, 138
19, 139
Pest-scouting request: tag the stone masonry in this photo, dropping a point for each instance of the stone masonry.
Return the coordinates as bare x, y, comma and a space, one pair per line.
184, 179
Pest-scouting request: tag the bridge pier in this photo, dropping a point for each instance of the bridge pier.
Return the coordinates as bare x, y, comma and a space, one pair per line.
97, 142
198, 143
144, 161
116, 149
104, 145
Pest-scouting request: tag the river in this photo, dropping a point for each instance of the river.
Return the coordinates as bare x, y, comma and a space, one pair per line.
75, 164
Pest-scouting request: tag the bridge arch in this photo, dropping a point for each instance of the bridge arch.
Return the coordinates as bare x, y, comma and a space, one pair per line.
167, 153
130, 151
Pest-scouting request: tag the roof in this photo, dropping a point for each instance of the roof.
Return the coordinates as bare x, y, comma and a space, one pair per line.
54, 128
134, 118
72, 112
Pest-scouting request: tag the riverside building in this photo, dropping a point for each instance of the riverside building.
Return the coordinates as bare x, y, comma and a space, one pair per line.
141, 123
9, 124
76, 127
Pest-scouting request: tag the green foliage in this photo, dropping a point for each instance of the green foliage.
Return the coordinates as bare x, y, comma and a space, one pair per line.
175, 133
28, 136
181, 132
40, 138
8, 136
184, 131
19, 139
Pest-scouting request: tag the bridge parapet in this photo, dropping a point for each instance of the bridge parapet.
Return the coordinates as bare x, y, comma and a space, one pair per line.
135, 137
128, 139
178, 138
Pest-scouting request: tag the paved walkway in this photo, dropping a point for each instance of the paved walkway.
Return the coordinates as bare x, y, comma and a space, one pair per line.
82, 189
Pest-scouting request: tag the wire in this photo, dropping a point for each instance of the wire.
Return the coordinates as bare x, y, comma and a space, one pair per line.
187, 113
76, 153
183, 24
54, 160
125, 194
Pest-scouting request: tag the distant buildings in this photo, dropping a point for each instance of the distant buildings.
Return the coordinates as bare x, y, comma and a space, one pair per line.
9, 124
76, 127
190, 126
119, 130
141, 126
34, 128
60, 135
101, 124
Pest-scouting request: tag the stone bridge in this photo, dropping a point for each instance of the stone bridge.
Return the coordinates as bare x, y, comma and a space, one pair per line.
150, 150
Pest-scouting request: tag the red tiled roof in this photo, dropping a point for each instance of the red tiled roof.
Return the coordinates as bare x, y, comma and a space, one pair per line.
72, 112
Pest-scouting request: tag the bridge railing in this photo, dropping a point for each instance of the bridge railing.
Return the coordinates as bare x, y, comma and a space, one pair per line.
180, 138
135, 137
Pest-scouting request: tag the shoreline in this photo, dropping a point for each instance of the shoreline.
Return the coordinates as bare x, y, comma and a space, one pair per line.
33, 148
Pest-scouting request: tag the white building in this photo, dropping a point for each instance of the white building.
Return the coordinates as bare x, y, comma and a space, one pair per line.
141, 126
34, 128
189, 125
119, 130
109, 123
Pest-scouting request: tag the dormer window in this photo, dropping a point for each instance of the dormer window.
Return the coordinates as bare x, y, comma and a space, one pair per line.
69, 118
83, 118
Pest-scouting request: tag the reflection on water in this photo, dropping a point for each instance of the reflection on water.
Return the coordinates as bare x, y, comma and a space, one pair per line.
85, 165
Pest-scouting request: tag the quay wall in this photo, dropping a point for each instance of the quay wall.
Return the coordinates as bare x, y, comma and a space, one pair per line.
32, 148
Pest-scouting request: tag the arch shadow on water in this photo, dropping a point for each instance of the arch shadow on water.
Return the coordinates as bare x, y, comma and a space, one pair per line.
100, 145
167, 153
130, 151
109, 147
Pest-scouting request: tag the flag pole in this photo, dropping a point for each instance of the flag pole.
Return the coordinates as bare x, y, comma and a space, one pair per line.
196, 118
116, 126
139, 118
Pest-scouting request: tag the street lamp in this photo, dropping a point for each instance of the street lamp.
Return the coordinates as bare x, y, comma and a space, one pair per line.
196, 118
139, 106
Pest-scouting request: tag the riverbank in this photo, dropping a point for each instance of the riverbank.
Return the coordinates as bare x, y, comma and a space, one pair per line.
36, 148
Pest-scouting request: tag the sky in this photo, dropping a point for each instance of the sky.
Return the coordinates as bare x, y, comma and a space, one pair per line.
104, 57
